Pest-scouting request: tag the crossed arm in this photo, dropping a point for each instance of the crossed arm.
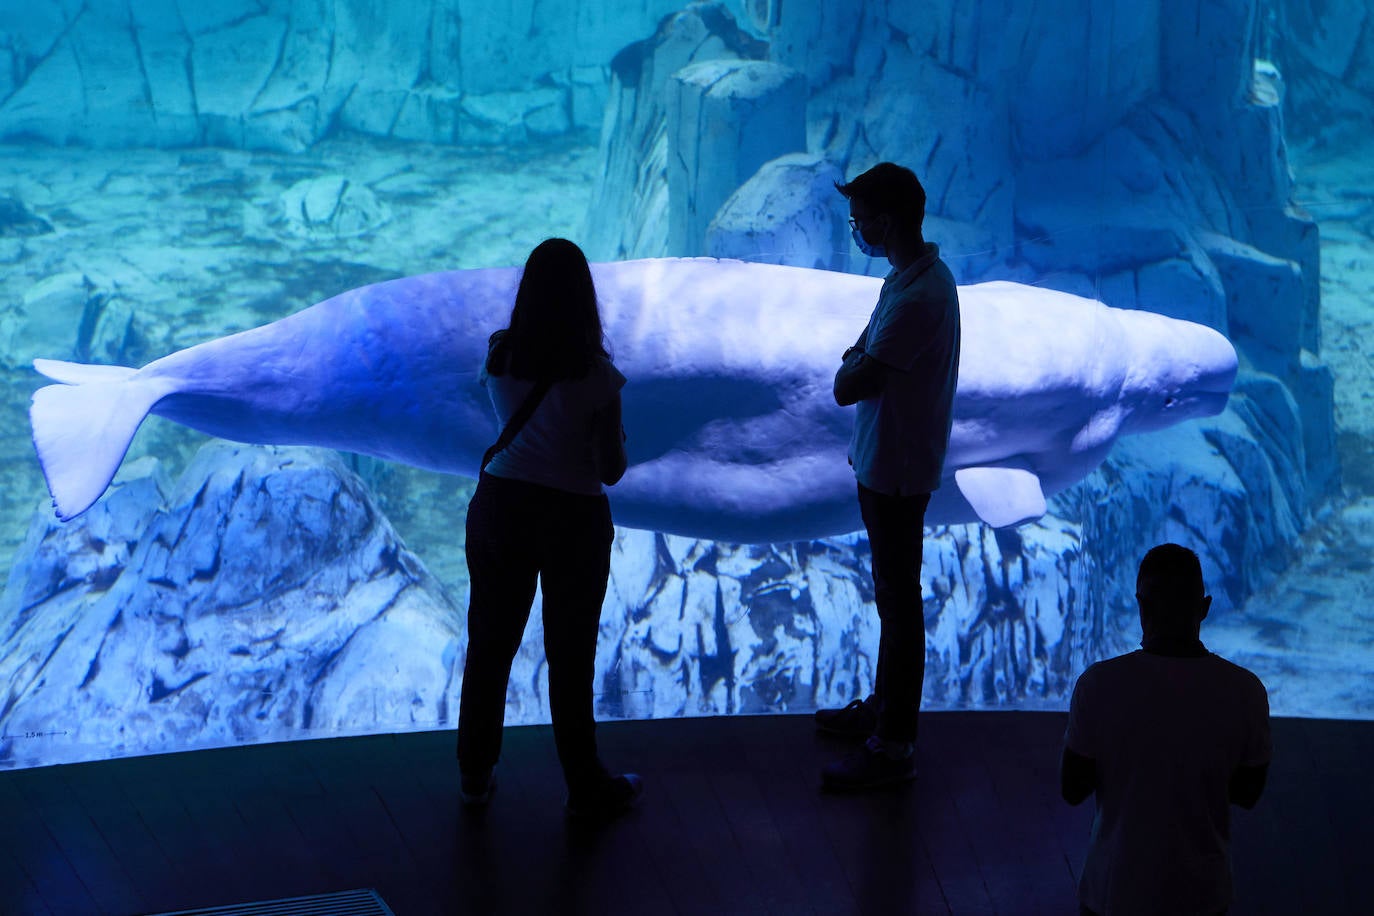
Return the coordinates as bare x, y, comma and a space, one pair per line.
859, 378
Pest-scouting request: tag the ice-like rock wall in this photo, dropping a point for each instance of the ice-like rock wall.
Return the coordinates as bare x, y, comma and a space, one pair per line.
1150, 173
261, 597
281, 74
1325, 49
1128, 152
628, 217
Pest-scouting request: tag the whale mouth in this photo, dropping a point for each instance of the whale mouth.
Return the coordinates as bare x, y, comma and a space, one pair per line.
1175, 408
1209, 403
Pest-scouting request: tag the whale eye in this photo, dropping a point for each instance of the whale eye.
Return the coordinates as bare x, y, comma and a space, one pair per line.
1170, 401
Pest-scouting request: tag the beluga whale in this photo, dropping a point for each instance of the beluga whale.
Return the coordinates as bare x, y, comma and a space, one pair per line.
733, 434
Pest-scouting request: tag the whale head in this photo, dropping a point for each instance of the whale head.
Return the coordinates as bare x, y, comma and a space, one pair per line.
1179, 371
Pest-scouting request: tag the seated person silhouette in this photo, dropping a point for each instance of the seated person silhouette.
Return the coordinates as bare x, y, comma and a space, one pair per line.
1166, 738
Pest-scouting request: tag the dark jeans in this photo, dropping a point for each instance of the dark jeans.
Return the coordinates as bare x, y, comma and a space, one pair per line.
896, 527
518, 533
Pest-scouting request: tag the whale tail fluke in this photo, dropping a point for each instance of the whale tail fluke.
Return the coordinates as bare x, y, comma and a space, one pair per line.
81, 373
82, 428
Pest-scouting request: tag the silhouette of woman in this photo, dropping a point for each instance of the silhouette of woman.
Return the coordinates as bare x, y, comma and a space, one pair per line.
540, 515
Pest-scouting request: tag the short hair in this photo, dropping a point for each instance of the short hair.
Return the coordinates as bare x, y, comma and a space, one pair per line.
892, 189
1174, 575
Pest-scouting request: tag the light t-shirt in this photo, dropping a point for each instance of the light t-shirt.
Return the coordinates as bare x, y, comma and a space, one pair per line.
900, 436
1166, 734
557, 446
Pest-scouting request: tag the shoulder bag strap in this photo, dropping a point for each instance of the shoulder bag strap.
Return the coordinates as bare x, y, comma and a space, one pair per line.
517, 420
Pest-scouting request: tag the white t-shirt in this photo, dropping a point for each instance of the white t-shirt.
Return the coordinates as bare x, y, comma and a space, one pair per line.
1166, 733
557, 446
900, 436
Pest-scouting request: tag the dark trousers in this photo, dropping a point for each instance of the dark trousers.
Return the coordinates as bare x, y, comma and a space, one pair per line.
519, 533
896, 527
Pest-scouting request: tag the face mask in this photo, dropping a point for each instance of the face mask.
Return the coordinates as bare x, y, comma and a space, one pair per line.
873, 251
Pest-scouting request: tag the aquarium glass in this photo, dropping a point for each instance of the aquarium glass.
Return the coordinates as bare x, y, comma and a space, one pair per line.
176, 172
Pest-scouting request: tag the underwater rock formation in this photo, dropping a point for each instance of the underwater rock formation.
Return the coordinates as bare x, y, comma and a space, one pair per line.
694, 627
281, 76
154, 623
261, 597
1151, 175
628, 216
89, 309
1325, 49
1087, 179
787, 213
725, 119
330, 208
713, 629
17, 221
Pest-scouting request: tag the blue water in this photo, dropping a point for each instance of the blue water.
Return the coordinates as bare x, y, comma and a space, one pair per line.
194, 175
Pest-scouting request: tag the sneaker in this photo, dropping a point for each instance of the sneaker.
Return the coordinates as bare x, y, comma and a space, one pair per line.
610, 797
857, 720
476, 789
870, 767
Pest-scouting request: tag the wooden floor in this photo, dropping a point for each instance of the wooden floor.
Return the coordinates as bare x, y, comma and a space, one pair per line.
731, 822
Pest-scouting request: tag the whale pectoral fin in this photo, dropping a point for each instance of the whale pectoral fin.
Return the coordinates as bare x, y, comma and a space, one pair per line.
1002, 496
81, 432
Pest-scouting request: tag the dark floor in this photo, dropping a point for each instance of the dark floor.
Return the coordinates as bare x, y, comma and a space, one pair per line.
731, 822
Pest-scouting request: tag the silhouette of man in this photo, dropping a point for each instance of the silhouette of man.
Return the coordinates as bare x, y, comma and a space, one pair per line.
900, 375
1166, 737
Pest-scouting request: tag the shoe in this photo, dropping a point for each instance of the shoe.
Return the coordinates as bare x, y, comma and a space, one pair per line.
857, 720
870, 767
476, 789
612, 796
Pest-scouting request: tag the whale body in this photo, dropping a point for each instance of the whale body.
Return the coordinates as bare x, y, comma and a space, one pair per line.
733, 433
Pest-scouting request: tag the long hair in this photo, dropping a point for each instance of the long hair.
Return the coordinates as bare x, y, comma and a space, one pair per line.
555, 327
